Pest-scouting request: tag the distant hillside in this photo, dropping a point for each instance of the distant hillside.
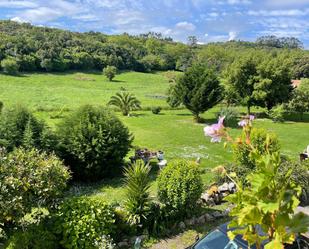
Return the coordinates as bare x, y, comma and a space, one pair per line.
35, 48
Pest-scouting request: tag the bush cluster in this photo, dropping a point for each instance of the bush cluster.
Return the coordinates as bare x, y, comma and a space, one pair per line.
19, 127
230, 114
9, 66
277, 113
180, 186
85, 223
29, 179
38, 230
262, 140
156, 109
300, 175
93, 141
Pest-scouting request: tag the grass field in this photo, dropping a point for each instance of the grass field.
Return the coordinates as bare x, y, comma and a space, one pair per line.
53, 92
173, 131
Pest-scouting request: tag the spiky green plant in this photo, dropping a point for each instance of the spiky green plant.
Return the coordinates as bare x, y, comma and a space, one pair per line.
125, 101
137, 181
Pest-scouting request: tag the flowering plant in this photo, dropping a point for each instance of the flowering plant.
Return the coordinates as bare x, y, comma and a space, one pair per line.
263, 210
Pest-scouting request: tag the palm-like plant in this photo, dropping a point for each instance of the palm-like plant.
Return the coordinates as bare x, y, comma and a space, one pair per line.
137, 181
125, 101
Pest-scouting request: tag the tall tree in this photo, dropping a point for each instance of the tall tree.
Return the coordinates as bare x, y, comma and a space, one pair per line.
240, 78
273, 84
198, 89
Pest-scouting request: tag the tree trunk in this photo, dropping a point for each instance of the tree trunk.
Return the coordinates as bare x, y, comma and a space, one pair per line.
248, 109
197, 117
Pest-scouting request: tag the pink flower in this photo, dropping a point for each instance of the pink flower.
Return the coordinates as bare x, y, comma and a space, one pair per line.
246, 121
243, 122
215, 131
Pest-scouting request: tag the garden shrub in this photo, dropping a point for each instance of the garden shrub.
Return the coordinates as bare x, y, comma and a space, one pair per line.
9, 66
33, 237
84, 222
277, 113
110, 72
180, 186
29, 179
93, 141
156, 109
231, 114
124, 229
262, 140
300, 175
19, 127
160, 218
37, 230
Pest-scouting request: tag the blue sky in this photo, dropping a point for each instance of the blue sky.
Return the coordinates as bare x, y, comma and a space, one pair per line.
209, 20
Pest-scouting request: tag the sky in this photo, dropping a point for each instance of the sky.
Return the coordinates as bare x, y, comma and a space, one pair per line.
208, 20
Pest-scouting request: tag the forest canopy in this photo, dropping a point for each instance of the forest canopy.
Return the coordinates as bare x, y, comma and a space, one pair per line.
32, 48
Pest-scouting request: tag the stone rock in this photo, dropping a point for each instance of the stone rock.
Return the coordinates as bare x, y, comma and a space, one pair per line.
205, 197
226, 212
224, 194
200, 220
232, 187
123, 244
190, 222
208, 217
224, 187
217, 199
217, 214
144, 237
133, 239
182, 225
211, 202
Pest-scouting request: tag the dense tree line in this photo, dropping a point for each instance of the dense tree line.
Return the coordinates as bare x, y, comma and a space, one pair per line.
24, 47
40, 48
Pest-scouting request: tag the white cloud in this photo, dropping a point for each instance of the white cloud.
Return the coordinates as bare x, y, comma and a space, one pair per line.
284, 23
213, 14
287, 3
234, 2
17, 4
291, 12
86, 17
18, 19
238, 2
186, 26
232, 35
49, 11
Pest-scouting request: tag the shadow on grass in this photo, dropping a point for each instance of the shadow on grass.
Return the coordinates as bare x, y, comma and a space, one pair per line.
137, 115
184, 114
296, 117
18, 75
208, 121
87, 189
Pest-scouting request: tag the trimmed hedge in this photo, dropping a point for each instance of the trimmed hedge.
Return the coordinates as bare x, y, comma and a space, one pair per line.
180, 186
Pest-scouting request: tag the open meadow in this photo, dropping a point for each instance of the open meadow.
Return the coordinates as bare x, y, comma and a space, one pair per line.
52, 96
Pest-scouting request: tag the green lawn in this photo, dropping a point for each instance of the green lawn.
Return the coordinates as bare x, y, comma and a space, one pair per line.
173, 131
44, 91
178, 136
